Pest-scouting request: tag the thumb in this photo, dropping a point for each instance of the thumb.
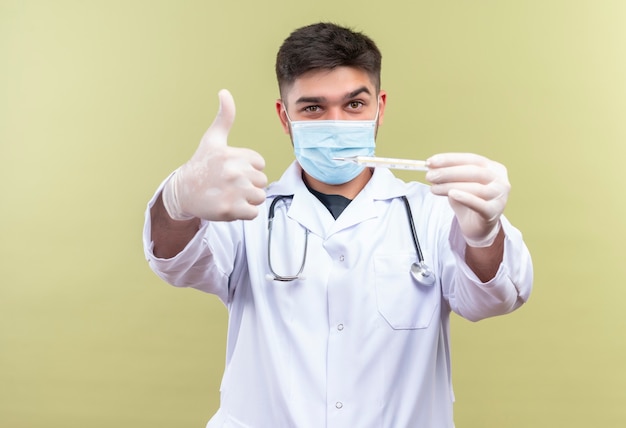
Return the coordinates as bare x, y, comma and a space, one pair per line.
217, 134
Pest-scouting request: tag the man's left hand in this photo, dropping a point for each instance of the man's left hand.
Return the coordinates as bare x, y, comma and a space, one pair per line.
477, 189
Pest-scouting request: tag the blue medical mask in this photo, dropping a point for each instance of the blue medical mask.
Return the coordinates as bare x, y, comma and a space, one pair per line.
317, 142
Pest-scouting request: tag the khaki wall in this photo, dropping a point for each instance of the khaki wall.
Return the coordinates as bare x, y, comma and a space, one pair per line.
99, 100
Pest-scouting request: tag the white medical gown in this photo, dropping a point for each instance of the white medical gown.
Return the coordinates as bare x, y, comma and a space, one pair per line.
357, 342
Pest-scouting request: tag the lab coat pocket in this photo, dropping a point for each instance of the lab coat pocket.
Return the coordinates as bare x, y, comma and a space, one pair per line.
402, 301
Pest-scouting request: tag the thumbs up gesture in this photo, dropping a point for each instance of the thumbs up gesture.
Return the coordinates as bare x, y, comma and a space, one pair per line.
218, 183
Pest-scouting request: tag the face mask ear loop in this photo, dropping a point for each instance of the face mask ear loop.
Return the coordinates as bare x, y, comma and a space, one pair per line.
377, 109
287, 114
290, 123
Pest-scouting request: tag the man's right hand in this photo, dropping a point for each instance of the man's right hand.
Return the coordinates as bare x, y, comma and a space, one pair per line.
218, 183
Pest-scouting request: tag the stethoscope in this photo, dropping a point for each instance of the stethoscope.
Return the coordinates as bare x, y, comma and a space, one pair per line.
419, 269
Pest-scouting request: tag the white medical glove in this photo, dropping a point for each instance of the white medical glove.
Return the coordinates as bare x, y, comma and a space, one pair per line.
218, 183
477, 189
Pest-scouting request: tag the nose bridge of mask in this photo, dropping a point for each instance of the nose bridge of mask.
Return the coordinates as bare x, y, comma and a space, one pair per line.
333, 133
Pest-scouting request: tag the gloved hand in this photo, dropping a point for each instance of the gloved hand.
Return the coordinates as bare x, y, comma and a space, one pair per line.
218, 183
477, 189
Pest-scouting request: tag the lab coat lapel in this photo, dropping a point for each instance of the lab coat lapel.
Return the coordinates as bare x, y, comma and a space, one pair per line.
307, 210
360, 209
382, 186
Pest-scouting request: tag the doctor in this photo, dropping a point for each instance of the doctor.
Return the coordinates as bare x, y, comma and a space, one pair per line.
349, 337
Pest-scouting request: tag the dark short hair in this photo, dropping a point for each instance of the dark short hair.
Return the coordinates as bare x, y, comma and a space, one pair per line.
325, 46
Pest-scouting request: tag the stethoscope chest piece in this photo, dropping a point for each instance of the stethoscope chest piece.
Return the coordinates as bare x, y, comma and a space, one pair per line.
419, 269
422, 274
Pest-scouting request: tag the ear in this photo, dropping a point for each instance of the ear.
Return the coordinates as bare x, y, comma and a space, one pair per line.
282, 116
382, 102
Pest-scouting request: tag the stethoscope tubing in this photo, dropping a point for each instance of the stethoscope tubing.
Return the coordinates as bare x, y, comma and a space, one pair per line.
270, 221
416, 243
424, 270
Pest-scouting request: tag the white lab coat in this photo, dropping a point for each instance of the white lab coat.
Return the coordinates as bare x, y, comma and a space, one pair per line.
357, 342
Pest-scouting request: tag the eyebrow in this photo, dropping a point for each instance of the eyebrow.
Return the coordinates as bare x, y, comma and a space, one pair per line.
362, 89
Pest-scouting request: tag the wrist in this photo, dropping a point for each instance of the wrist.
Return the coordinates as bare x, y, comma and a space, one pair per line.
171, 200
487, 241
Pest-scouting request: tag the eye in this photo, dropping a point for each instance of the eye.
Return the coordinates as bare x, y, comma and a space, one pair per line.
354, 105
312, 109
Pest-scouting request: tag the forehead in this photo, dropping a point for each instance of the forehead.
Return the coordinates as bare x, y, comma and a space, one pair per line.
330, 85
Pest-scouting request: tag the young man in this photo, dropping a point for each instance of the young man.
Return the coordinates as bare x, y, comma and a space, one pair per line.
338, 317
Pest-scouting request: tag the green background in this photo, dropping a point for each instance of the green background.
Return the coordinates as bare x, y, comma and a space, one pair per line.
100, 100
